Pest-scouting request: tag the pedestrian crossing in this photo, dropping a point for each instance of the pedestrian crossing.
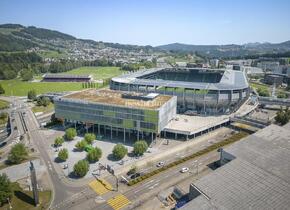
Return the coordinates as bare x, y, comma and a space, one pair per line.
100, 186
118, 202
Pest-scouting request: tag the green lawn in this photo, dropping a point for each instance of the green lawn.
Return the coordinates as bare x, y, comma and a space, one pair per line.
4, 104
20, 88
261, 86
97, 72
24, 200
17, 87
44, 109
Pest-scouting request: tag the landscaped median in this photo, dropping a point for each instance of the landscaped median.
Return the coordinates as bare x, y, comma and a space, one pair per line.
215, 146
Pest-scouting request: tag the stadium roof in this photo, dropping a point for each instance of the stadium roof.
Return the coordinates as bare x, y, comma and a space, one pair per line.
118, 98
230, 80
258, 177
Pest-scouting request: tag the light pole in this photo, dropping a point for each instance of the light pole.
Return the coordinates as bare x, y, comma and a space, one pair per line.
10, 207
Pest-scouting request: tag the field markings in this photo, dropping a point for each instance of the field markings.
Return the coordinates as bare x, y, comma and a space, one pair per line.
100, 186
118, 202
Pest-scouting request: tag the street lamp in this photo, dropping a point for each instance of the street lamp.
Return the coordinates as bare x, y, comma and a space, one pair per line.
10, 207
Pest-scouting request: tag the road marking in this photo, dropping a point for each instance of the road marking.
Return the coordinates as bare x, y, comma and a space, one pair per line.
118, 202
100, 186
153, 186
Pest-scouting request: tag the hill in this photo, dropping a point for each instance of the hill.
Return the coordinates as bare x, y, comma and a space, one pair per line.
231, 50
16, 37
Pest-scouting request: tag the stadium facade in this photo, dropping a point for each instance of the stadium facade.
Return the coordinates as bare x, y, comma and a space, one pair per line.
117, 113
204, 91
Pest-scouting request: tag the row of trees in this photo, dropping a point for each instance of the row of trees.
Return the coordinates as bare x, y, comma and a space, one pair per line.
93, 153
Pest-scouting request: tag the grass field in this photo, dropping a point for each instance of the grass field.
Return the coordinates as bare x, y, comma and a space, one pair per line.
97, 72
261, 86
24, 200
17, 87
4, 104
20, 88
44, 109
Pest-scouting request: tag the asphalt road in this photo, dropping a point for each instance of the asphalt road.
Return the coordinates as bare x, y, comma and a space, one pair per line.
61, 191
139, 193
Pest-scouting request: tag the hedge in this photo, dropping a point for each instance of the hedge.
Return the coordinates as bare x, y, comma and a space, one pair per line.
212, 147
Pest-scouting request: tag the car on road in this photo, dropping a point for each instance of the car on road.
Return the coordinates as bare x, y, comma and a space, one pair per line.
160, 164
184, 170
65, 166
133, 176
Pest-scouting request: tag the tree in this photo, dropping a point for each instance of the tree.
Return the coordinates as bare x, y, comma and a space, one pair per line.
63, 154
90, 137
5, 189
81, 168
283, 116
94, 155
119, 151
80, 145
70, 133
263, 92
58, 141
18, 153
43, 101
140, 147
26, 74
31, 95
282, 95
2, 91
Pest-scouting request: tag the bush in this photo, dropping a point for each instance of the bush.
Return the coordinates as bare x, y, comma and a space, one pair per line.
5, 189
81, 168
43, 101
81, 145
2, 91
263, 92
90, 137
58, 141
70, 133
31, 95
63, 154
282, 116
119, 151
94, 155
140, 147
17, 154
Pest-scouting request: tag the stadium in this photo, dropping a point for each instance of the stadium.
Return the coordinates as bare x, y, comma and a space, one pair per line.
198, 90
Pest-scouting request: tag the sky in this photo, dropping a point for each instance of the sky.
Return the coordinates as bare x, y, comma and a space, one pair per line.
156, 22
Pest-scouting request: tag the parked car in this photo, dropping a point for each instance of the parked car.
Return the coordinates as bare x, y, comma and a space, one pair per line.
160, 164
184, 170
65, 166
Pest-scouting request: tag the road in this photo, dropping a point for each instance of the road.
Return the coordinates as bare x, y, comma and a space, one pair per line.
61, 191
70, 196
139, 193
29, 125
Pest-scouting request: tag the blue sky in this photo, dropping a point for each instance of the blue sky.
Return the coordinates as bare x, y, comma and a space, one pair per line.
157, 22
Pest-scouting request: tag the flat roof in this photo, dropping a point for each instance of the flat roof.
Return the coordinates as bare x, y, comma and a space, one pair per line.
189, 125
258, 177
113, 97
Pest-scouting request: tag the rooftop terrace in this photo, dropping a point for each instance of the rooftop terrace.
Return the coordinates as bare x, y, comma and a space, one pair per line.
111, 97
